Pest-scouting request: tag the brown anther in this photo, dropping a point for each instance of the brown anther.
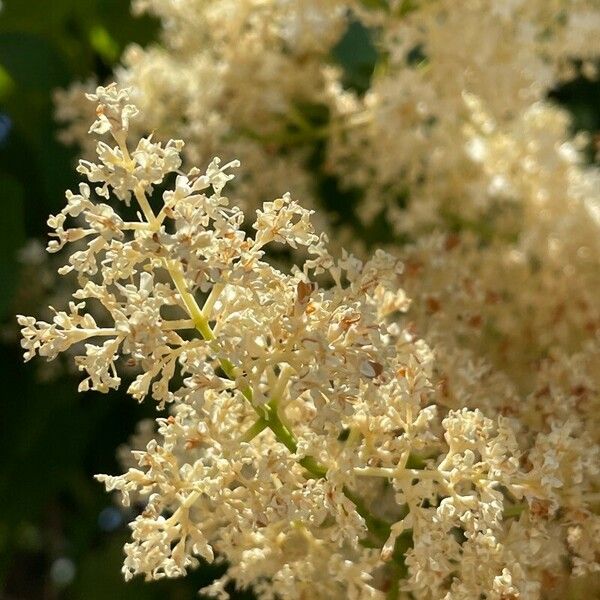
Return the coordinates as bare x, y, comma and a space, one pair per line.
304, 289
368, 285
411, 329
451, 242
540, 509
475, 321
525, 463
432, 304
492, 297
348, 321
377, 367
413, 267
508, 411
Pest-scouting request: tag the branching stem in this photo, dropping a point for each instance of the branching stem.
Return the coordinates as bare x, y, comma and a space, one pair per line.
268, 413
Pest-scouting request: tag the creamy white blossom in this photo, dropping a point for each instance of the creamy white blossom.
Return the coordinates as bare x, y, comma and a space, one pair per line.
315, 442
417, 423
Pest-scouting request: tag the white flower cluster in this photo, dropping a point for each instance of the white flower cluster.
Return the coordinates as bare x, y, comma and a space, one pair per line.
307, 445
315, 443
244, 77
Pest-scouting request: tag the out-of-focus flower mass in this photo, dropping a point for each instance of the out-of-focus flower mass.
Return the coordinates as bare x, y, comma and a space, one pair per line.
345, 416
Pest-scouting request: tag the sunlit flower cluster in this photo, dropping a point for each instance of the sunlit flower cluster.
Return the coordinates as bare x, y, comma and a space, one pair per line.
306, 444
418, 421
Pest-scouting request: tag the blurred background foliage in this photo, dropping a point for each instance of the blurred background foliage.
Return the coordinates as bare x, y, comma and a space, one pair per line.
60, 535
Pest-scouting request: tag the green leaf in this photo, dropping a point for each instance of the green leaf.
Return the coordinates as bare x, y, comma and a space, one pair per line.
11, 238
357, 55
31, 61
102, 42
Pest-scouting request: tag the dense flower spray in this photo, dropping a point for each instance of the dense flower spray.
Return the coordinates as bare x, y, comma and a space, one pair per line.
305, 444
255, 79
420, 423
451, 134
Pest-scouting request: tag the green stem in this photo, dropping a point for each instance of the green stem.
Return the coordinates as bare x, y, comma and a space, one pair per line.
269, 417
415, 462
268, 413
514, 511
288, 138
377, 527
200, 321
400, 571
255, 430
